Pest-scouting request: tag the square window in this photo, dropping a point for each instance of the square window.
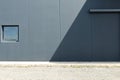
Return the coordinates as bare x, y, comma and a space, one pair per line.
10, 33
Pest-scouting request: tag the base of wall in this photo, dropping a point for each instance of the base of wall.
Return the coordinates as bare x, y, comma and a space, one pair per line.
61, 64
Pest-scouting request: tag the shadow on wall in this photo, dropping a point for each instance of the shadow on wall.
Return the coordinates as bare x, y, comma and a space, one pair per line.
76, 45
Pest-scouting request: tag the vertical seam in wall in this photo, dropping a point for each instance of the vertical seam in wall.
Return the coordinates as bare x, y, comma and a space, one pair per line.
60, 19
119, 32
91, 26
91, 31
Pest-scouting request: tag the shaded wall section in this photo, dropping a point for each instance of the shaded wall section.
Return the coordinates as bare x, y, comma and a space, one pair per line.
78, 42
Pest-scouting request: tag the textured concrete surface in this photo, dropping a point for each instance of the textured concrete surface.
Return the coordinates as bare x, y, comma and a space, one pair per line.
59, 71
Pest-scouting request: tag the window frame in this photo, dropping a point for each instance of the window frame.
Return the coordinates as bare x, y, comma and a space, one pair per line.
2, 34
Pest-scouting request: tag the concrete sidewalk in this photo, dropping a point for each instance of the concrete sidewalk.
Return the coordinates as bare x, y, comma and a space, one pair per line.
59, 71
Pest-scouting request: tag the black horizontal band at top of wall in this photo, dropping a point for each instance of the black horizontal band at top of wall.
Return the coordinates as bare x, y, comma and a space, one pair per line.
104, 10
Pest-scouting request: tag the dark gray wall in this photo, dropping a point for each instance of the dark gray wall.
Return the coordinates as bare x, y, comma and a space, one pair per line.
59, 30
92, 36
